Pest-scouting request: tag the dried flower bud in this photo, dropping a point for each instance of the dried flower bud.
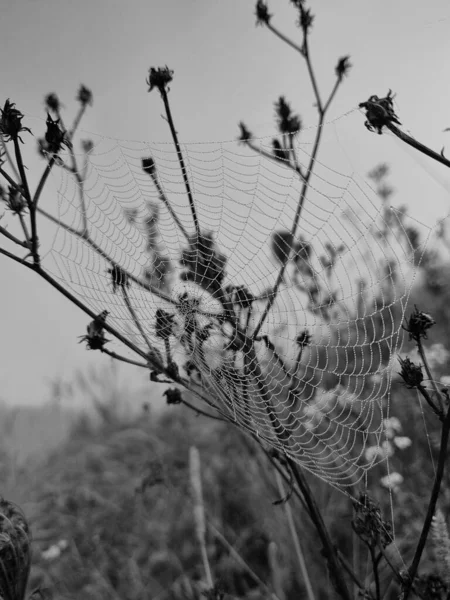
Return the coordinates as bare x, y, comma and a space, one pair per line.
119, 278
379, 112
55, 137
15, 202
410, 373
52, 102
172, 370
306, 18
262, 13
343, 67
173, 396
95, 337
418, 324
287, 122
11, 122
164, 324
87, 146
85, 96
243, 297
368, 523
148, 165
303, 339
245, 133
159, 78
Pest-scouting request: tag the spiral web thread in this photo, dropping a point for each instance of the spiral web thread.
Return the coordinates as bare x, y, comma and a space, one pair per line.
330, 415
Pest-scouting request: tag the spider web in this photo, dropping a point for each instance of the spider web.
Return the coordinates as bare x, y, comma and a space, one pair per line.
315, 384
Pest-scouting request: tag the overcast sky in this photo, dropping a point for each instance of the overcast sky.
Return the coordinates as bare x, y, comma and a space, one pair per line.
226, 70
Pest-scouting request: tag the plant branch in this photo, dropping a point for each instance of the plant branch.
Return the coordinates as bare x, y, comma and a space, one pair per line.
417, 145
423, 356
285, 39
286, 163
134, 316
27, 195
169, 207
412, 571
43, 180
124, 359
181, 160
13, 238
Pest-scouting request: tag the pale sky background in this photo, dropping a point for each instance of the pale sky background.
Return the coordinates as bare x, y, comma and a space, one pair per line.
226, 70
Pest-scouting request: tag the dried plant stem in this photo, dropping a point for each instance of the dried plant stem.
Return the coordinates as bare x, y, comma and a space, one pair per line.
163, 197
199, 510
181, 160
135, 318
375, 560
316, 517
31, 207
13, 238
43, 181
423, 356
124, 359
296, 541
417, 145
412, 571
8, 158
287, 163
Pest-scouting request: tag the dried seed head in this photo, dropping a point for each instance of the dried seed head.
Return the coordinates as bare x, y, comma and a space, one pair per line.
159, 78
262, 13
52, 102
85, 96
368, 523
11, 122
173, 396
410, 373
343, 67
418, 324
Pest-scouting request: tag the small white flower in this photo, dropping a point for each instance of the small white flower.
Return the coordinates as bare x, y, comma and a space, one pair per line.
371, 453
393, 423
445, 380
402, 442
51, 553
392, 481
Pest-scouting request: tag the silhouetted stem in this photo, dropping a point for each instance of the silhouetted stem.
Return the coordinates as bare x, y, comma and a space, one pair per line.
124, 358
423, 356
135, 318
13, 238
31, 208
181, 160
412, 571
417, 145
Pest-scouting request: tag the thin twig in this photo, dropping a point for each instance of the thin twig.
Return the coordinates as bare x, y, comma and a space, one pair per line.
134, 316
43, 181
181, 160
285, 39
169, 207
286, 163
124, 359
13, 238
27, 195
417, 145
423, 356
